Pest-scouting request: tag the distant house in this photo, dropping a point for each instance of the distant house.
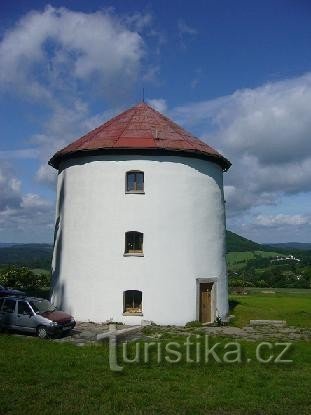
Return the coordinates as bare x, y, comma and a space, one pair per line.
285, 258
140, 223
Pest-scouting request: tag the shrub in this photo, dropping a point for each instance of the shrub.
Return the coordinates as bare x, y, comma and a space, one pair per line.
23, 278
262, 284
218, 321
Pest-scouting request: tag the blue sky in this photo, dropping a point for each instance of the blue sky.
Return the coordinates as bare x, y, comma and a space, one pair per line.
236, 74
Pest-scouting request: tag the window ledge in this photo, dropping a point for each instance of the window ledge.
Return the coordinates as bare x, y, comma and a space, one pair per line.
133, 314
134, 254
135, 192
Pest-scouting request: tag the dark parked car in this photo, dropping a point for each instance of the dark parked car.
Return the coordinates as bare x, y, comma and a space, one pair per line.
33, 315
4, 292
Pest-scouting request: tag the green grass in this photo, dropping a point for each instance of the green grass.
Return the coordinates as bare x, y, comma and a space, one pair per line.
42, 377
237, 260
292, 305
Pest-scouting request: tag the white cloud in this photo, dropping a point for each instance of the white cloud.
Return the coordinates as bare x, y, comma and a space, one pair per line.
151, 74
55, 48
45, 174
9, 187
265, 132
282, 220
185, 32
158, 104
62, 58
33, 201
23, 215
185, 29
138, 21
64, 126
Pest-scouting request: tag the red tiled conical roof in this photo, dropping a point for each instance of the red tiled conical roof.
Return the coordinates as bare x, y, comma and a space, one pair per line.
140, 129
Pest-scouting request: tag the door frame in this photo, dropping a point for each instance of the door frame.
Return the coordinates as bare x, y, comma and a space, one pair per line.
200, 281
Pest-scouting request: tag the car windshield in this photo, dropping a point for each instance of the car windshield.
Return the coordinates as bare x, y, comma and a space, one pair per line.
41, 306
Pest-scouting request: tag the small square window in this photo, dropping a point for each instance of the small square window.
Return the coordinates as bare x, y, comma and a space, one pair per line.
134, 242
135, 182
132, 302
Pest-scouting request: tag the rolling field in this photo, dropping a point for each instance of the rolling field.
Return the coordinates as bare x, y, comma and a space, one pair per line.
237, 260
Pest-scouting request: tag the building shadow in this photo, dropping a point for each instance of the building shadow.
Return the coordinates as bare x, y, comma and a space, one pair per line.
57, 294
233, 304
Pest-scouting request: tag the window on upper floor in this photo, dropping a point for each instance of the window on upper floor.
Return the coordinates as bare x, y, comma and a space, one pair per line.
134, 182
132, 302
134, 243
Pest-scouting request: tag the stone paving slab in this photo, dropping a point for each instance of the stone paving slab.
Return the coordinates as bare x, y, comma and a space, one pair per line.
261, 332
276, 323
120, 333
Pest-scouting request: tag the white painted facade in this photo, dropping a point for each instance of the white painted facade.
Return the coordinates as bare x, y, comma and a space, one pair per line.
181, 215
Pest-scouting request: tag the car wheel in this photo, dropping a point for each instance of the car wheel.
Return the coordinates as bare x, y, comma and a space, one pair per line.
42, 332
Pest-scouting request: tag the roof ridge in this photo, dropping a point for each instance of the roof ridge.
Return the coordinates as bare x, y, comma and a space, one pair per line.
87, 137
134, 109
176, 127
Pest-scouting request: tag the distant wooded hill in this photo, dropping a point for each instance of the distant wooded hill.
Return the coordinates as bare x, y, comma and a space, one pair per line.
30, 255
40, 255
236, 243
302, 246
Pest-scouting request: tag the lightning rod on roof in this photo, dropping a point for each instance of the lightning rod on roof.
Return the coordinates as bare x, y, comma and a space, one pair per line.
143, 94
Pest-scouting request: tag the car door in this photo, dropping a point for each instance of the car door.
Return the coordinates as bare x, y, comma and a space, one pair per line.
8, 313
25, 319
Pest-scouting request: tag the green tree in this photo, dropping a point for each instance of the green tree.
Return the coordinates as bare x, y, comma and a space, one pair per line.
22, 277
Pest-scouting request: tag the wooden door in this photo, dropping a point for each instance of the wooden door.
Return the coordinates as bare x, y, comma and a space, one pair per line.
205, 303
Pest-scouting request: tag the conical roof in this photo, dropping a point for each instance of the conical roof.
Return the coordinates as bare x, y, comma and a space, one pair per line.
139, 130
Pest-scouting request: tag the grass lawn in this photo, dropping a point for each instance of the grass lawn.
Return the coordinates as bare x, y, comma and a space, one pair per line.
236, 260
43, 377
292, 305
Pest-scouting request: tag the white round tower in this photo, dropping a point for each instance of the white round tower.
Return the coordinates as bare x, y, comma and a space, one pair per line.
140, 224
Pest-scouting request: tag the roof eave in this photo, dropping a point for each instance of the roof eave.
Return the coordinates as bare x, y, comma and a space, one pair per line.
217, 158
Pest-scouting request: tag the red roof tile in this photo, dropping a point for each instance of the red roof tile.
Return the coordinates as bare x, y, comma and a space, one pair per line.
141, 129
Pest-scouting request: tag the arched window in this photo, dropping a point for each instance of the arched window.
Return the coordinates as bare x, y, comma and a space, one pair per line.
132, 301
134, 181
134, 242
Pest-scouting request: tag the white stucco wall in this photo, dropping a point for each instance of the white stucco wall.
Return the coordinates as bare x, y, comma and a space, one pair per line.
181, 216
